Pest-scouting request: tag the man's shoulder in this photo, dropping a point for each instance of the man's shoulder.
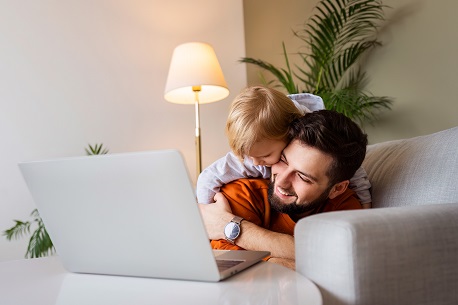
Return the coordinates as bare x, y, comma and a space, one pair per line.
247, 183
248, 198
247, 191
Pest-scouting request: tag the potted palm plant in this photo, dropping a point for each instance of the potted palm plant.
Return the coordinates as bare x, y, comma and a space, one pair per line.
40, 244
336, 38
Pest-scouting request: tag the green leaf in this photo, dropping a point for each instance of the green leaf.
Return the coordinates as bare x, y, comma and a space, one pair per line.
282, 75
18, 230
97, 149
40, 243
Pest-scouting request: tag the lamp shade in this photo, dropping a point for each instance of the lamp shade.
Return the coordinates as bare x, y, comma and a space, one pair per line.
195, 64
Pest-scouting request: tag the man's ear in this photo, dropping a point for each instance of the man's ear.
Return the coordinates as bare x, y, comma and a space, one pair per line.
338, 189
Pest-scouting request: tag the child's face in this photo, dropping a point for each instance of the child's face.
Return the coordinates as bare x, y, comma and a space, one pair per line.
266, 152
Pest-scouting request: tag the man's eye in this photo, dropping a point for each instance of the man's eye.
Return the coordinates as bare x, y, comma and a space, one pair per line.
282, 159
305, 179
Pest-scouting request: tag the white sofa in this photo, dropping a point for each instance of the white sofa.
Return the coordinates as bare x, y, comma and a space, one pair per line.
405, 249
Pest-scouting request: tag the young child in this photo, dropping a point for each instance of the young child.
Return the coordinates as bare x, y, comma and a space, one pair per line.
256, 128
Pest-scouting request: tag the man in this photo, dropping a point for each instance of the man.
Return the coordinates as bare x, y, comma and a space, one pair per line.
312, 176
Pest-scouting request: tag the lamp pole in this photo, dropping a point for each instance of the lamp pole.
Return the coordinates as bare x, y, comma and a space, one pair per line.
195, 63
196, 90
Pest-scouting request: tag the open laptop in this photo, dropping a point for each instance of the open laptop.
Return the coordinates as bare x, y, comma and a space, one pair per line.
131, 214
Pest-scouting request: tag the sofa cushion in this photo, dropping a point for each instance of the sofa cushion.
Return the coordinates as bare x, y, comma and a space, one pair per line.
403, 255
415, 171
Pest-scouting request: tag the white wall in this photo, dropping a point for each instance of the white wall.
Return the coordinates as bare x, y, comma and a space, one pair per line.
416, 66
93, 71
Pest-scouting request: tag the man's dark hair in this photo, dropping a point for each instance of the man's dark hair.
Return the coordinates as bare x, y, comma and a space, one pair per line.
336, 135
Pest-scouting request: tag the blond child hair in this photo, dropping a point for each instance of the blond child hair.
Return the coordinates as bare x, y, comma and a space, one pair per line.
258, 113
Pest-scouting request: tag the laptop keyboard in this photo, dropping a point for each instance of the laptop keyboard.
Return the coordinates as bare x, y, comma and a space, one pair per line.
226, 264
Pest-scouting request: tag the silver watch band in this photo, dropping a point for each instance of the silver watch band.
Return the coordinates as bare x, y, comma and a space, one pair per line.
237, 220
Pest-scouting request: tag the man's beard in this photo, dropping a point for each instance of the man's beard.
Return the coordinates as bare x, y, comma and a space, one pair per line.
295, 208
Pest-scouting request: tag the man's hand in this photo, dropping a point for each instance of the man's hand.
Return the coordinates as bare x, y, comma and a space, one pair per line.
289, 263
216, 216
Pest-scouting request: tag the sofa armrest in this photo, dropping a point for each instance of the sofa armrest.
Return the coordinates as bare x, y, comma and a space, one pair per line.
404, 255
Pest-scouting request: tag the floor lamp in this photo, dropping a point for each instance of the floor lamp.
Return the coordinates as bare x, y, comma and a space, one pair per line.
195, 77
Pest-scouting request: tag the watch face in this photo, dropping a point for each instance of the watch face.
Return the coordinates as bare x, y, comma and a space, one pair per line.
232, 230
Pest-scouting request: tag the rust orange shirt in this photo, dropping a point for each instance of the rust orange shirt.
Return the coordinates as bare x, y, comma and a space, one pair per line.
248, 199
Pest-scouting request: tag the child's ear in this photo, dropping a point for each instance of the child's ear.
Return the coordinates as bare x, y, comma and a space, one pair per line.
338, 189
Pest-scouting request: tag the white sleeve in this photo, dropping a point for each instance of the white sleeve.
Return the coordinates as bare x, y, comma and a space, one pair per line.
223, 171
361, 185
307, 102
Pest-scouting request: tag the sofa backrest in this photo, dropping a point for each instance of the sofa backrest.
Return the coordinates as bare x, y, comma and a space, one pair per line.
415, 171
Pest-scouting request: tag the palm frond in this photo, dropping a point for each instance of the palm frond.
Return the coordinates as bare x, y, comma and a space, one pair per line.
354, 101
97, 149
40, 243
284, 76
336, 37
268, 83
361, 108
18, 230
336, 31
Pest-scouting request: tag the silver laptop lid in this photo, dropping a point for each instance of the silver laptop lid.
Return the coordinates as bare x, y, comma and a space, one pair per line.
124, 214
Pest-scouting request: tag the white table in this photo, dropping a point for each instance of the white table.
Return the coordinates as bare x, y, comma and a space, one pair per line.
44, 281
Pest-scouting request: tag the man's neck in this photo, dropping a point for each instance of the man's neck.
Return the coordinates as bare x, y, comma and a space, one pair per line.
315, 210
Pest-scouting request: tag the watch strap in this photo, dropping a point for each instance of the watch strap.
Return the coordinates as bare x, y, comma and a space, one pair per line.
237, 220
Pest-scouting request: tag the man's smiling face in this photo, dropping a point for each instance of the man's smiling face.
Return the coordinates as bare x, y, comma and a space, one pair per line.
299, 181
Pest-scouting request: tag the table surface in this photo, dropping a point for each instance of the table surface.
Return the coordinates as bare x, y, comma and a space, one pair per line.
44, 281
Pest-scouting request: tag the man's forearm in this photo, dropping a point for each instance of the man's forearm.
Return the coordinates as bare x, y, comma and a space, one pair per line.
254, 237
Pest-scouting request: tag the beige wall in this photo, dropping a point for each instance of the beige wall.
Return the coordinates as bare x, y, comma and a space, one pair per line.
416, 66
93, 71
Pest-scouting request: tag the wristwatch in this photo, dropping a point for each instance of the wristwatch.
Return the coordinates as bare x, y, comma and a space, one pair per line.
233, 230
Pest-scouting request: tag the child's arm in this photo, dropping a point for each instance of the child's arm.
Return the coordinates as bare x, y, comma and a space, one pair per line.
361, 185
223, 171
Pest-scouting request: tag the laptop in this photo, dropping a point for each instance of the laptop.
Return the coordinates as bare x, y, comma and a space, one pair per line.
129, 214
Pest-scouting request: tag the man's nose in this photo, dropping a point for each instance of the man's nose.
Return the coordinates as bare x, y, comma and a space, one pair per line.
283, 179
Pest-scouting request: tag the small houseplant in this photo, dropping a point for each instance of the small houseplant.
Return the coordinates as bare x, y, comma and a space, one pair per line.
40, 244
336, 38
